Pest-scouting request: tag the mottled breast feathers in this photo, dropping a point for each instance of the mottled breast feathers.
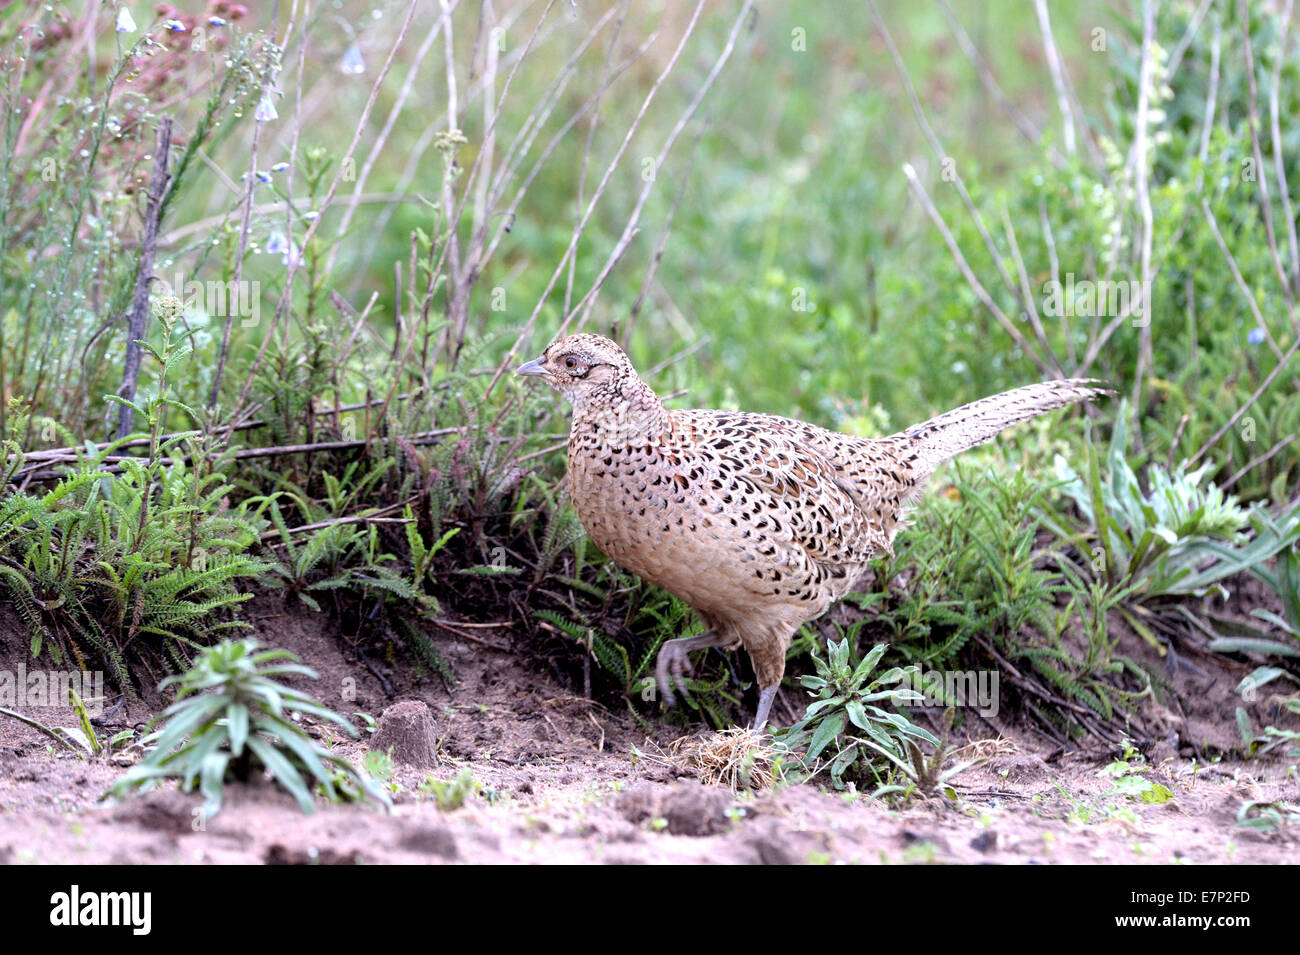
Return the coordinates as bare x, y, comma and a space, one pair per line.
796, 493
724, 508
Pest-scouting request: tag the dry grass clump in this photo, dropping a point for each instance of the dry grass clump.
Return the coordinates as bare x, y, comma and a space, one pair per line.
737, 758
986, 748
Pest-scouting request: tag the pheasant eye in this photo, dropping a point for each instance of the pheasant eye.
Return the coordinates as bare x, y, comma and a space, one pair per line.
570, 363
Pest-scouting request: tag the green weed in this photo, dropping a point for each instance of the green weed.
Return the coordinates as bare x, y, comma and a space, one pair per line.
232, 719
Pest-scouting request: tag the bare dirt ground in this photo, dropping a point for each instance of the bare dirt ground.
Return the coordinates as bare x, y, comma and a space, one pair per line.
564, 780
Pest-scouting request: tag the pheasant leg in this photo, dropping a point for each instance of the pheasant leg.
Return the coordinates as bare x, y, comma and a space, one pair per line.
765, 699
674, 662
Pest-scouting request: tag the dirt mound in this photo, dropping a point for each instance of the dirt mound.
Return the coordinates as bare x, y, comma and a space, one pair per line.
406, 733
687, 808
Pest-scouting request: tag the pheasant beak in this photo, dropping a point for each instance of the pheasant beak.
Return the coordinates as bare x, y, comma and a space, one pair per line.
534, 368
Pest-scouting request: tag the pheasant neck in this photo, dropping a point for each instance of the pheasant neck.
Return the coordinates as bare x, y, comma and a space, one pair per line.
628, 412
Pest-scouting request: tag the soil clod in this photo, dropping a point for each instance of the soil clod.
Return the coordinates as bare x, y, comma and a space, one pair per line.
406, 733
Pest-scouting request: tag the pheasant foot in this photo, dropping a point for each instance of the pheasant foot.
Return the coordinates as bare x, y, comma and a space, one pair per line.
673, 664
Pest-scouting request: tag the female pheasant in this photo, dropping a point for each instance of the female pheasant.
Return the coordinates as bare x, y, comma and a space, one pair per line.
759, 522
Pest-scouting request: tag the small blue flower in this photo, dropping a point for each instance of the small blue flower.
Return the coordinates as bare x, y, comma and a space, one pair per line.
1255, 335
280, 167
352, 63
263, 176
278, 244
216, 22
266, 111
175, 26
125, 22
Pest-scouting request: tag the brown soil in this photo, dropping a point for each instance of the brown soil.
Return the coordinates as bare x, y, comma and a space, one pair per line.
564, 780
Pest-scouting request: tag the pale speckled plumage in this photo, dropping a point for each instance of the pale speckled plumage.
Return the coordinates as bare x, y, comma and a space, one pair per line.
759, 522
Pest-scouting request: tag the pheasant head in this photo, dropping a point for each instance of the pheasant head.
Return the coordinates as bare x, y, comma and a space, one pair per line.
608, 396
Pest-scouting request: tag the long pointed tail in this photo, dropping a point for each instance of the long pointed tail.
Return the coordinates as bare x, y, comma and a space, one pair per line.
955, 431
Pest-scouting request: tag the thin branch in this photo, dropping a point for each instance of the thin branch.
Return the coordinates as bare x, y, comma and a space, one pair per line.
1256, 462
1261, 171
1058, 75
1283, 187
1146, 79
377, 516
662, 244
1026, 293
976, 286
982, 69
1211, 100
138, 325
1027, 304
281, 450
1193, 27
1240, 279
1049, 239
1264, 386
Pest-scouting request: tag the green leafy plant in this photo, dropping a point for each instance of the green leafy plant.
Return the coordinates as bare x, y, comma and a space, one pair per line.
847, 720
127, 546
974, 583
1271, 737
1157, 539
1184, 538
1263, 816
621, 623
1128, 779
970, 567
1283, 580
378, 765
231, 719
450, 794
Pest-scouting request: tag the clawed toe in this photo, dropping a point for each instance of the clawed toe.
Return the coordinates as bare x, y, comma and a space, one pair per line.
671, 669
674, 663
681, 668
662, 678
